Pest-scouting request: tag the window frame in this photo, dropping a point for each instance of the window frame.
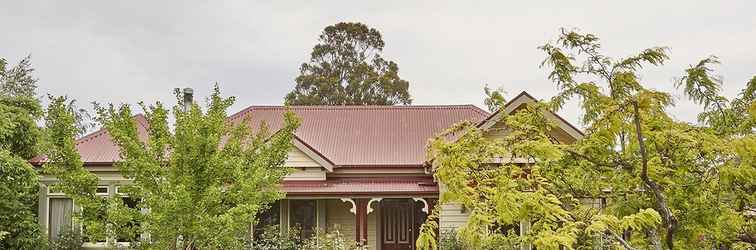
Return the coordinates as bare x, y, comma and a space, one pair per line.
316, 214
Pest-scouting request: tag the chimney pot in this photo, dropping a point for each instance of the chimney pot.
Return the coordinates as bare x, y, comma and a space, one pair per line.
188, 98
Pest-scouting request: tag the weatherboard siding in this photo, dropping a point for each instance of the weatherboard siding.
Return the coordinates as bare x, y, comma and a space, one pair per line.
298, 159
339, 218
452, 214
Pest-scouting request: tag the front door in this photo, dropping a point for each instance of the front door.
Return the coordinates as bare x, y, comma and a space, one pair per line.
398, 224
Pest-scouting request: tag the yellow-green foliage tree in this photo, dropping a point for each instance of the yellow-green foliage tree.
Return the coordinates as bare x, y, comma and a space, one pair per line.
668, 184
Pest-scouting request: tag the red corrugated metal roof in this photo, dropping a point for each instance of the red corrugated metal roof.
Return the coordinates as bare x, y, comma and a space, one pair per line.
362, 185
367, 135
98, 147
372, 136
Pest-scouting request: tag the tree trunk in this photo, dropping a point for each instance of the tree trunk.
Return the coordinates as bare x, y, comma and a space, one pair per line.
670, 221
654, 238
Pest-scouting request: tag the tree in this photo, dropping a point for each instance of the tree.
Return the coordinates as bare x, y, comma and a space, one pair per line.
346, 68
19, 139
494, 98
201, 184
668, 184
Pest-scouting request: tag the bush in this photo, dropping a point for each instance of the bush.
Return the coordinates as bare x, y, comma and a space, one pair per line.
330, 241
272, 239
448, 241
68, 239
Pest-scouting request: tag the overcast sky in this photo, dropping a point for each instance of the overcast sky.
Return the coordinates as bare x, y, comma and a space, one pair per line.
127, 51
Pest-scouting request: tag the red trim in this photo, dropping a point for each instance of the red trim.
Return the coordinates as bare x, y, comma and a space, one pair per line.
366, 194
360, 220
380, 166
359, 186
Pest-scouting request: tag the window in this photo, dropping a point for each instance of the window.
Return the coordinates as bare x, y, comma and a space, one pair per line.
268, 218
59, 217
303, 217
102, 191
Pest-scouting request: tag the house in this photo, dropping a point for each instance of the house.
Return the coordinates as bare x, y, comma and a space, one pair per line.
359, 169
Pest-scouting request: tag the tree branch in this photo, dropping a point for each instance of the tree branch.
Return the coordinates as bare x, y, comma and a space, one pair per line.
661, 202
621, 241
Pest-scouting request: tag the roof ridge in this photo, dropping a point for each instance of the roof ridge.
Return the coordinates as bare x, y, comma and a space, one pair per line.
364, 106
359, 107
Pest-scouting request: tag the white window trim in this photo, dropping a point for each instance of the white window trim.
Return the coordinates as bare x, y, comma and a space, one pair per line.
61, 195
106, 193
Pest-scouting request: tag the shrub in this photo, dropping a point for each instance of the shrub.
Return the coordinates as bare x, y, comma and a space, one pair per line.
68, 239
272, 239
333, 240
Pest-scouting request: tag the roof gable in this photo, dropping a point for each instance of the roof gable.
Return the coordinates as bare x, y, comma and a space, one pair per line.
522, 99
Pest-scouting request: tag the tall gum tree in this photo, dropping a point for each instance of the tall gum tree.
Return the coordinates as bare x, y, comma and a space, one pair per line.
346, 68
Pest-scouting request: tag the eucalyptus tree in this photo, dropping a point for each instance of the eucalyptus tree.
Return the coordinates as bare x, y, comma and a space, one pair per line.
668, 184
199, 184
346, 68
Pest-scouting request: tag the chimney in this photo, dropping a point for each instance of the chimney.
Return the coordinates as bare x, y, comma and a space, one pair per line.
188, 96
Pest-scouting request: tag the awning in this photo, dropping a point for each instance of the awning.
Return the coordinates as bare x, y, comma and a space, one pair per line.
352, 186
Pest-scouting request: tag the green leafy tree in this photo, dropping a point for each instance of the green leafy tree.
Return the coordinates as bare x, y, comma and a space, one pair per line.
63, 162
668, 184
199, 185
494, 98
19, 139
346, 68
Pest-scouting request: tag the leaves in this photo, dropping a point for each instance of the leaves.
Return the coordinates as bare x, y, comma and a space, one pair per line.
202, 182
494, 99
346, 68
664, 182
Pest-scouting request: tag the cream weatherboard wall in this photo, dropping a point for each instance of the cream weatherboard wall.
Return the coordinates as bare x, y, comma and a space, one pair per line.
304, 167
339, 218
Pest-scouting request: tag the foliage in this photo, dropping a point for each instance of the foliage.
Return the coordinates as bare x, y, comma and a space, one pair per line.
64, 163
346, 68
202, 182
646, 158
333, 240
68, 239
668, 184
448, 241
18, 195
19, 139
428, 231
273, 239
17, 80
494, 98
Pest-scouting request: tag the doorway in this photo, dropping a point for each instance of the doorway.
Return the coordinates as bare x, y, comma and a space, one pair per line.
400, 223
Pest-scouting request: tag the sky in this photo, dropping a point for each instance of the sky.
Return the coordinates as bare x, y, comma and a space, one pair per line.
131, 51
